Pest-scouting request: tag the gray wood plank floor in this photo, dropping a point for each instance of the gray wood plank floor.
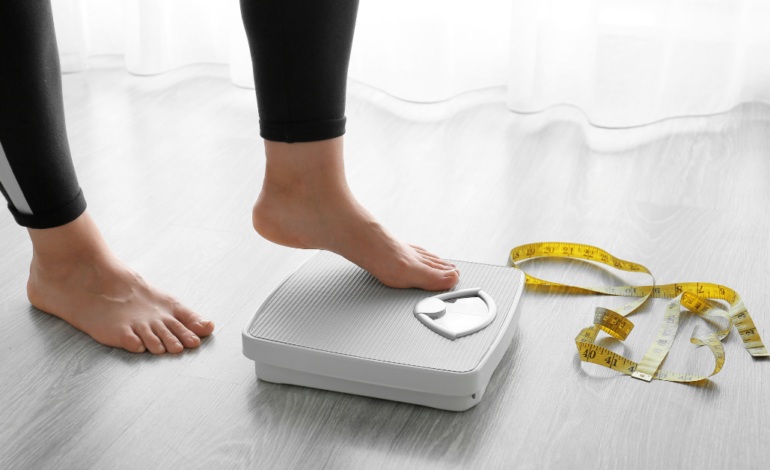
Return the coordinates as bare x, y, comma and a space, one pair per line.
171, 165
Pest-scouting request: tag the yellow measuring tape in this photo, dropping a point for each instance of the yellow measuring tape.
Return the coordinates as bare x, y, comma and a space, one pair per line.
692, 295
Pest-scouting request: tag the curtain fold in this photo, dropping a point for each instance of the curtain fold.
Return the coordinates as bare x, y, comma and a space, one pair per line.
622, 62
431, 50
632, 62
154, 36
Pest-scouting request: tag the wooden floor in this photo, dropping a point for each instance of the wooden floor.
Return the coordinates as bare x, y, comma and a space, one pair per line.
170, 166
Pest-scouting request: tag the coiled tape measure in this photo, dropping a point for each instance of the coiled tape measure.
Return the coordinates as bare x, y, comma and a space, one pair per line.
692, 295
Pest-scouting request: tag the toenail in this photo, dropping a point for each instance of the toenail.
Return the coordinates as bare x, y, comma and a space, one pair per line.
141, 349
160, 348
204, 322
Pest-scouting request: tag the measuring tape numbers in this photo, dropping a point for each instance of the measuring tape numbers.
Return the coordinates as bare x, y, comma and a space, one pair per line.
692, 295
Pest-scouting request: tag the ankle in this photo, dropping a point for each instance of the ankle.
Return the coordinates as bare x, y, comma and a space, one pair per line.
76, 243
305, 168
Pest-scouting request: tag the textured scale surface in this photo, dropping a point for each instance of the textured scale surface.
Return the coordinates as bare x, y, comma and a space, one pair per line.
332, 305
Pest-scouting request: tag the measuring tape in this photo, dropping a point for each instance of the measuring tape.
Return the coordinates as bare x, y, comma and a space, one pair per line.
692, 295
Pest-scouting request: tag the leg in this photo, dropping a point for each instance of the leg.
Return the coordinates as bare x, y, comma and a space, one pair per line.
300, 52
73, 273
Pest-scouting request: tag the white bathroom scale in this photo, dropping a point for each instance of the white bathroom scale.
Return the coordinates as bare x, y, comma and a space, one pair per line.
331, 325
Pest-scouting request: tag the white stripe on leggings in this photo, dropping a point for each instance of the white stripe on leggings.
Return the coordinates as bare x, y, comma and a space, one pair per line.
8, 180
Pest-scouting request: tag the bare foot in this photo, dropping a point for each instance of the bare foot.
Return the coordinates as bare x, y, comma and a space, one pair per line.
306, 203
75, 276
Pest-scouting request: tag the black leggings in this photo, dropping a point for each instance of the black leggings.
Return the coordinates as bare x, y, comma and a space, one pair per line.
300, 50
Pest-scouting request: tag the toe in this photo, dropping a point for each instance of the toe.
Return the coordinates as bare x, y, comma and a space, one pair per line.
130, 341
192, 321
436, 264
433, 261
188, 338
426, 254
449, 279
150, 340
170, 342
439, 279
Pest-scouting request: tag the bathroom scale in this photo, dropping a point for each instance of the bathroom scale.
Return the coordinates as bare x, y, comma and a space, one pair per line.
331, 325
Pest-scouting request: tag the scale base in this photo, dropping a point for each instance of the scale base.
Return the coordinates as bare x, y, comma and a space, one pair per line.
282, 375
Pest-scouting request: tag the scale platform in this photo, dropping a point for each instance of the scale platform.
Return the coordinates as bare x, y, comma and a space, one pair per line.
331, 325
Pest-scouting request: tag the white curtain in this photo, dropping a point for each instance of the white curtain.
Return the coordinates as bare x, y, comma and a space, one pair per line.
623, 62
155, 36
632, 62
431, 50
